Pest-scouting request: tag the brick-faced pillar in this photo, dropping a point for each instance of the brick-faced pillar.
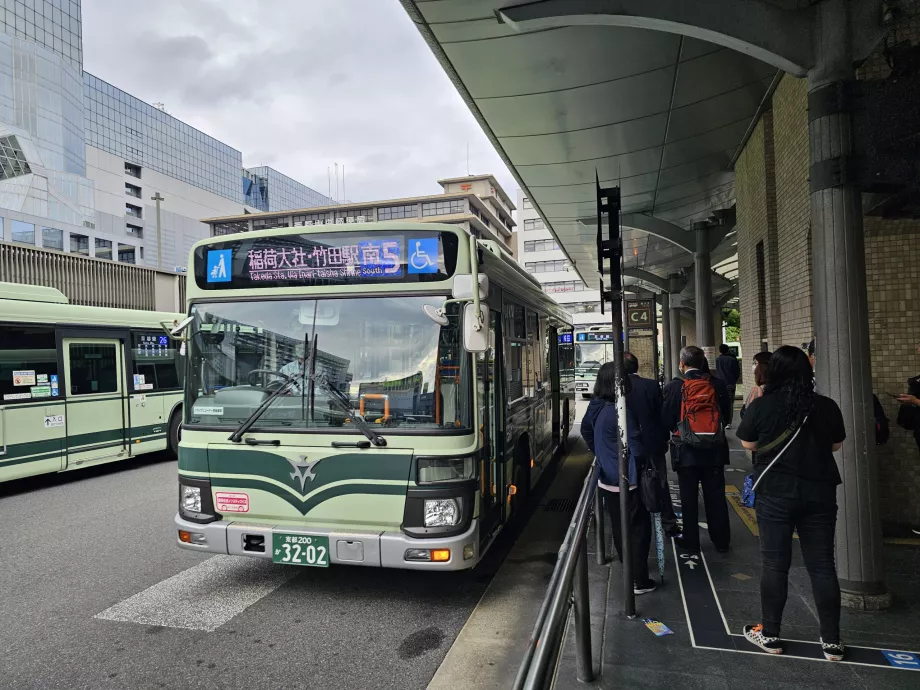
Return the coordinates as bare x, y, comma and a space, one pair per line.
840, 307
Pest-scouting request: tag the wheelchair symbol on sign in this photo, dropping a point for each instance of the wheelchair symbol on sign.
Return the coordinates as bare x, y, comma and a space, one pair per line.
420, 259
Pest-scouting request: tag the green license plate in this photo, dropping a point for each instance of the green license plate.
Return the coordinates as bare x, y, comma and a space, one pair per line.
300, 549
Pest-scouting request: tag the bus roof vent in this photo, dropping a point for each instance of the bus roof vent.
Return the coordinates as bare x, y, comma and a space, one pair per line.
32, 293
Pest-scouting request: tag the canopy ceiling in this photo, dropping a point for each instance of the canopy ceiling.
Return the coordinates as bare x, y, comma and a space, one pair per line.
660, 114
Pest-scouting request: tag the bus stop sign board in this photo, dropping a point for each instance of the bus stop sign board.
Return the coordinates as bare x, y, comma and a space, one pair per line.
639, 317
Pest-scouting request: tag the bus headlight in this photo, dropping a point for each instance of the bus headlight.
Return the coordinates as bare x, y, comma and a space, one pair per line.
441, 512
445, 469
190, 499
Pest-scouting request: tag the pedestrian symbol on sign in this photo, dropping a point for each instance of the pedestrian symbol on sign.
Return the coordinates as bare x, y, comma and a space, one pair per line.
218, 265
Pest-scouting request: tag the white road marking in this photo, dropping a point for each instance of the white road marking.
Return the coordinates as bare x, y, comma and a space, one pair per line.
205, 596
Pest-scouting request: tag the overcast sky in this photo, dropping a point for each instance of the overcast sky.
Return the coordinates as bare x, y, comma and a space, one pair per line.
297, 85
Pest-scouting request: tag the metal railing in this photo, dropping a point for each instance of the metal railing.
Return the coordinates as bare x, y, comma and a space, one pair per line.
568, 586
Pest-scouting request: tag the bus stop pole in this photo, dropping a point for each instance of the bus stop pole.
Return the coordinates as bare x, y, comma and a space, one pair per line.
608, 208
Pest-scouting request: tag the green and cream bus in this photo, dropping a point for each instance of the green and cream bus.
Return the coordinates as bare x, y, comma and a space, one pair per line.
593, 347
82, 386
352, 399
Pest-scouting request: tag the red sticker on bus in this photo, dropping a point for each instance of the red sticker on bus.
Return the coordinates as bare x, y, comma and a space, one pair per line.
228, 502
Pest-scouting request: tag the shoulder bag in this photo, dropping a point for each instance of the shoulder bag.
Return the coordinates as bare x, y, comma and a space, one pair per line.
748, 497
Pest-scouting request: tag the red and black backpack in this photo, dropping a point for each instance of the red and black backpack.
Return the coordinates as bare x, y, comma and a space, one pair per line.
700, 424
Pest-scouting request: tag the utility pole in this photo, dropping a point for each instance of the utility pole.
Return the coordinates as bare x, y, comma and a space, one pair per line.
157, 198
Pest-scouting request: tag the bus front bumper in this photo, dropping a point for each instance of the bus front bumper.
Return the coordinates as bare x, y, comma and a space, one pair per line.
381, 549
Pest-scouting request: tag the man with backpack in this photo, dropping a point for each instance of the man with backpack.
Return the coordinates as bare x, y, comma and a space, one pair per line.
694, 409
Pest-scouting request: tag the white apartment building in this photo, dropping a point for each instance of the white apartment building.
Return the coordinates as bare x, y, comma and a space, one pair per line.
539, 254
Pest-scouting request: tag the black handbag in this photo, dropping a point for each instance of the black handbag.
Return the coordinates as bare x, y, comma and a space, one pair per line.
651, 486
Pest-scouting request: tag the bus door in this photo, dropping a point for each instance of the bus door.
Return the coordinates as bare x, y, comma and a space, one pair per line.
96, 403
492, 432
553, 364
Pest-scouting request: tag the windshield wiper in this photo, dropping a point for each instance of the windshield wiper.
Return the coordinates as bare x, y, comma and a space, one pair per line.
340, 400
247, 423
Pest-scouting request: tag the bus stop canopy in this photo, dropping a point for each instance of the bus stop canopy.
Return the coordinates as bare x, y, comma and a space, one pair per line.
659, 114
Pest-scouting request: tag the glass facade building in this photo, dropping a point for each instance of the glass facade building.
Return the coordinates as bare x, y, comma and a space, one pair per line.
50, 110
54, 24
129, 128
268, 190
41, 77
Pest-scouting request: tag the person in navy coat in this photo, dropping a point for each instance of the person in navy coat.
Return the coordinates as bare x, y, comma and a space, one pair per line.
644, 400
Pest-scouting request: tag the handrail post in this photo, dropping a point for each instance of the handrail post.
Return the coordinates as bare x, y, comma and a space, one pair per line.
600, 540
585, 666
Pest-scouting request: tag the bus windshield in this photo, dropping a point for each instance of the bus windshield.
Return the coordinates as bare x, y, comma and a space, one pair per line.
397, 367
590, 356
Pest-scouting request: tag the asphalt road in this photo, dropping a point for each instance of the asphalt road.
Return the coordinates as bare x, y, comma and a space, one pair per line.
100, 541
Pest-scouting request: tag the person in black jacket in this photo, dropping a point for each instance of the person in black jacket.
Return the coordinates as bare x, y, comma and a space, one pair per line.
645, 401
909, 412
599, 429
728, 369
795, 432
695, 466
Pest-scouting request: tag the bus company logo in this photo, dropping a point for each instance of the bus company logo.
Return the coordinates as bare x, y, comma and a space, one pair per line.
219, 265
303, 470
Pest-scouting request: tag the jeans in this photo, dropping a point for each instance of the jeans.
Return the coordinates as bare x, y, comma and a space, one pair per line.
815, 522
712, 479
640, 525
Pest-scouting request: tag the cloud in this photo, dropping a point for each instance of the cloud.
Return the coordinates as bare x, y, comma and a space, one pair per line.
298, 85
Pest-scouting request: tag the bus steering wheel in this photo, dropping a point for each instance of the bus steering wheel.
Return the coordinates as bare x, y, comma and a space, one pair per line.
264, 373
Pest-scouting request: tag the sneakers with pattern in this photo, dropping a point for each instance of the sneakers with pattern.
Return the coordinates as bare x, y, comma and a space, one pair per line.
771, 645
833, 651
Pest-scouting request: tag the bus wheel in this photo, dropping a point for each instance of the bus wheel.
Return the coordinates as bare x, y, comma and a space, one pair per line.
175, 433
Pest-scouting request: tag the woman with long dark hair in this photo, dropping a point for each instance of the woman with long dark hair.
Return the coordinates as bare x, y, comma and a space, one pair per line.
599, 429
795, 432
761, 362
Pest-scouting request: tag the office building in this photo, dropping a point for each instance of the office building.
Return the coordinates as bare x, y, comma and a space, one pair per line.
476, 202
539, 254
81, 160
266, 189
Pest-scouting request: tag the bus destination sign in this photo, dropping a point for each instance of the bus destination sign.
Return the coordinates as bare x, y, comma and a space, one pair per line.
594, 337
326, 259
368, 259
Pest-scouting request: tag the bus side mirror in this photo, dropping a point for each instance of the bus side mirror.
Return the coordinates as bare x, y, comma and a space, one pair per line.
176, 329
473, 340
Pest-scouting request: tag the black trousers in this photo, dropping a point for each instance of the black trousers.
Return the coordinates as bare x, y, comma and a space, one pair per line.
640, 525
731, 410
712, 479
815, 522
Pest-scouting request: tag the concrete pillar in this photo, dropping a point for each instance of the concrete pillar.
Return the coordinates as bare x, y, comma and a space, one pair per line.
656, 355
702, 293
717, 326
840, 308
666, 346
674, 318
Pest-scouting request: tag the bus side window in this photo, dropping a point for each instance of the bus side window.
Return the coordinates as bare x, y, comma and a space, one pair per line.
156, 362
516, 354
93, 368
28, 360
534, 359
